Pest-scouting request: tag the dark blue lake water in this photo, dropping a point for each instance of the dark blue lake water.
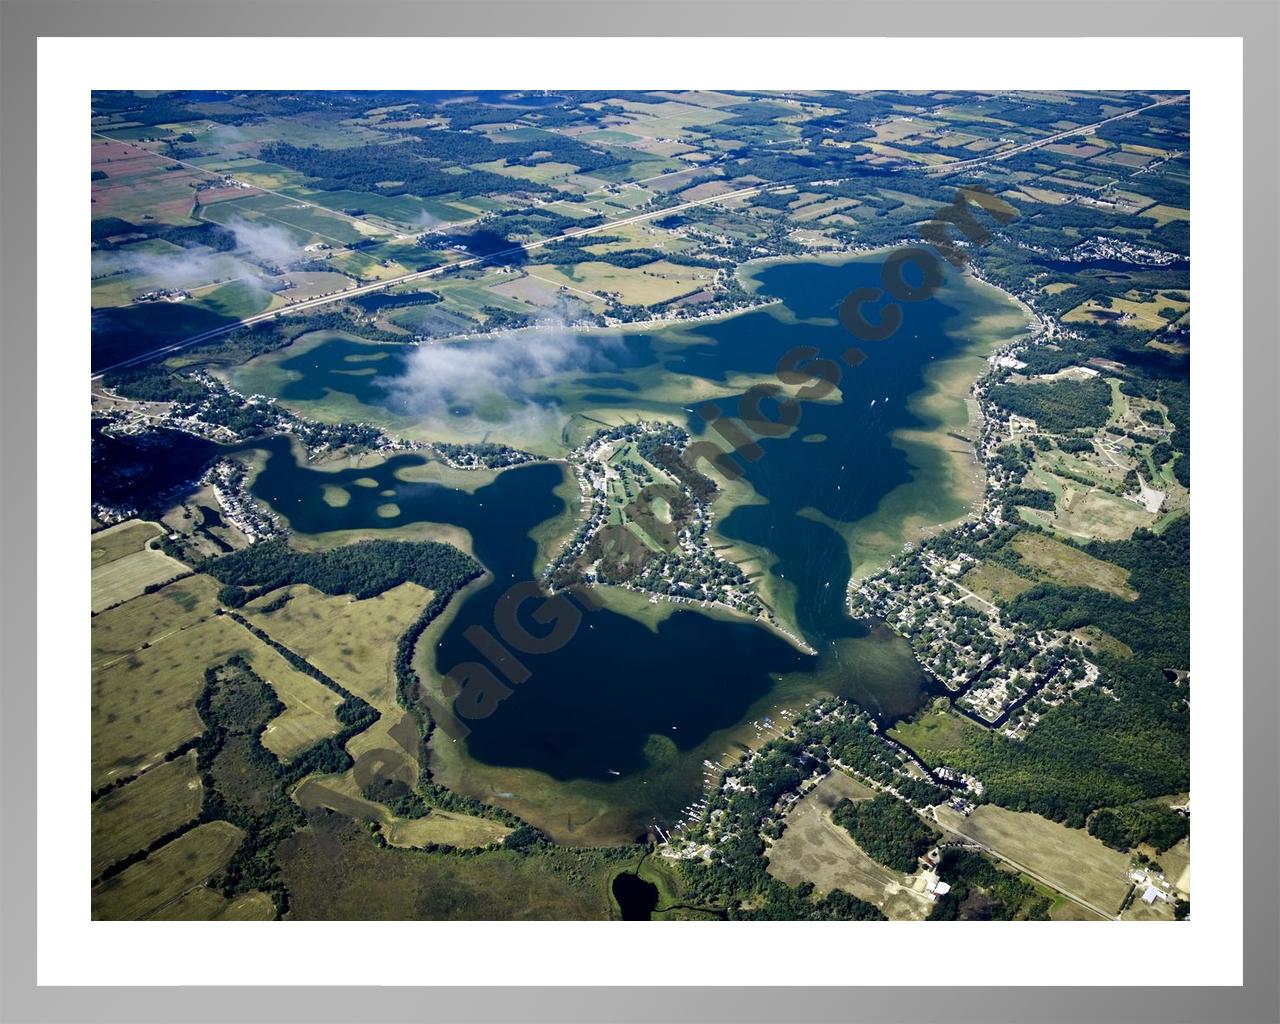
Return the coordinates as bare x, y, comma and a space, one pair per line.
590, 708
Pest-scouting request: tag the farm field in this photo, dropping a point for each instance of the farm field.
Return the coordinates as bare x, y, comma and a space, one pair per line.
146, 889
135, 815
124, 565
657, 282
1069, 859
144, 703
125, 538
150, 654
353, 642
309, 705
815, 849
123, 578
203, 904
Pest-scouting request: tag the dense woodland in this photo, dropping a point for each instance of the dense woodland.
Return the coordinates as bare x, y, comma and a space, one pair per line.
364, 569
1058, 406
886, 829
1149, 821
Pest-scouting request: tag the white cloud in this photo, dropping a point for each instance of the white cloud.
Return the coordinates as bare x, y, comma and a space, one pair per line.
511, 364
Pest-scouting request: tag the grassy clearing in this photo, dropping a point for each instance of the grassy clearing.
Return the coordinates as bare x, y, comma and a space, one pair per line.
1069, 859
993, 582
1176, 862
936, 734
147, 888
814, 849
445, 828
134, 816
1071, 567
1089, 514
1102, 642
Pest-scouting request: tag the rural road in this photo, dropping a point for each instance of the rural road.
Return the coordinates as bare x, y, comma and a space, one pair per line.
421, 275
1088, 129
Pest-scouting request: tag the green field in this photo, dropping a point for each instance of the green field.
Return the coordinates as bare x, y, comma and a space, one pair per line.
351, 641
334, 871
125, 538
1072, 567
937, 733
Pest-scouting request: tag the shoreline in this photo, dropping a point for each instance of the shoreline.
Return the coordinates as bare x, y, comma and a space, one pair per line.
932, 448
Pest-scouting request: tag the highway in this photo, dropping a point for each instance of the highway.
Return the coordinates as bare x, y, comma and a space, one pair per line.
423, 275
420, 275
1004, 154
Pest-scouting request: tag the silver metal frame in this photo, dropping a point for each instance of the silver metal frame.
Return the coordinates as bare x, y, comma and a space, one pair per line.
1256, 21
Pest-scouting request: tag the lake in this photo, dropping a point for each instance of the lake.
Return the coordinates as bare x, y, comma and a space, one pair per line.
608, 734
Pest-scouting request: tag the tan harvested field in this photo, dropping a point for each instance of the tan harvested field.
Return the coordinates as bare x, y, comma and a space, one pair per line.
353, 642
121, 579
1176, 862
1071, 567
134, 816
143, 704
815, 849
445, 828
207, 905
643, 286
993, 582
1068, 859
146, 889
151, 618
309, 705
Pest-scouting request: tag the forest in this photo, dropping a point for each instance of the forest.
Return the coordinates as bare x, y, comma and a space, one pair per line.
1149, 821
887, 830
364, 569
392, 171
1059, 406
